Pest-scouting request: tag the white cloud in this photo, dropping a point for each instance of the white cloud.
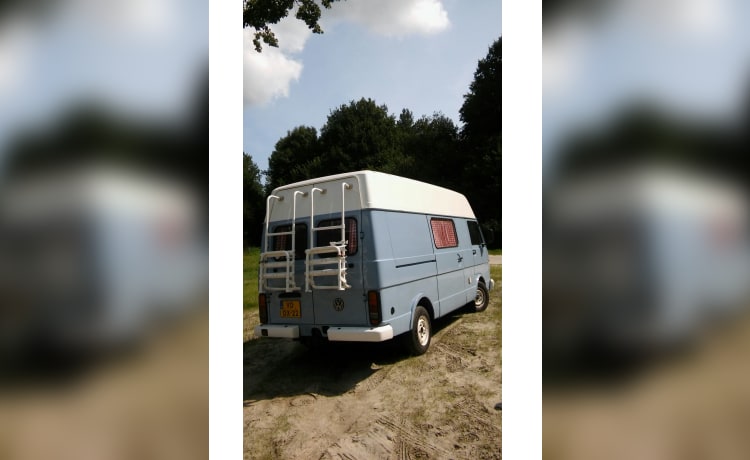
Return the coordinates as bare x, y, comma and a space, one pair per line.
16, 37
134, 18
703, 17
650, 27
394, 18
563, 54
267, 75
678, 19
292, 34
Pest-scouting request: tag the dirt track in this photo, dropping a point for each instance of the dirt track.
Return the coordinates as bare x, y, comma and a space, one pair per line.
362, 401
151, 402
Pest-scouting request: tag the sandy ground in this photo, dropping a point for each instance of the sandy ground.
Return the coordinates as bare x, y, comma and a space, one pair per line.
695, 404
364, 401
148, 403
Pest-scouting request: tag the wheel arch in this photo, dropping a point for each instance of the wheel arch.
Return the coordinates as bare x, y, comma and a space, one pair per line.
421, 300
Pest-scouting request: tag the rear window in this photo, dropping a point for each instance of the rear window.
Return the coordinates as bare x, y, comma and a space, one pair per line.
284, 242
444, 233
325, 237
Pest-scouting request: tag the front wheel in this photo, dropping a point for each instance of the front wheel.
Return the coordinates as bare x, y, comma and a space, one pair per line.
482, 299
417, 340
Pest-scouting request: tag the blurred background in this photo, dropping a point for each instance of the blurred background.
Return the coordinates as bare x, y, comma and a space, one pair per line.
103, 229
646, 229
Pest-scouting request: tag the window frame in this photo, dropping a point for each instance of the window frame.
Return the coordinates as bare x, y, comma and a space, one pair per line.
347, 231
300, 229
452, 227
477, 233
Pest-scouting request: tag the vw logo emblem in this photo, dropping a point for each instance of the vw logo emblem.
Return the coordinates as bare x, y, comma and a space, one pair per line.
338, 304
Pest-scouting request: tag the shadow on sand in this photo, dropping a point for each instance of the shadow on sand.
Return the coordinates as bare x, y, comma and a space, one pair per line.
284, 368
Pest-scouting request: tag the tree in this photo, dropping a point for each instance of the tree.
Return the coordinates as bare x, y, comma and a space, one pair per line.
481, 137
259, 14
481, 111
360, 135
295, 157
432, 145
253, 200
643, 132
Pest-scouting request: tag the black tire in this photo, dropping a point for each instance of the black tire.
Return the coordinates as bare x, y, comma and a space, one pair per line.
417, 340
482, 299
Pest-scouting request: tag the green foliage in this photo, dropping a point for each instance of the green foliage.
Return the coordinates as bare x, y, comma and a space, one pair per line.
250, 261
360, 135
295, 158
434, 146
481, 138
481, 111
259, 14
253, 200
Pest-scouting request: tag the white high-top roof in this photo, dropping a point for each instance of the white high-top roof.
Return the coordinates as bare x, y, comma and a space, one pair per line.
370, 190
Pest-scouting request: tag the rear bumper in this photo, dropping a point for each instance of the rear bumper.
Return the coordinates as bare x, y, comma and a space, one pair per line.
360, 334
492, 284
277, 331
334, 333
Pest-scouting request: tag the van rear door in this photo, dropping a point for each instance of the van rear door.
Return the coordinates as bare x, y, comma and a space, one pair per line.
348, 306
334, 307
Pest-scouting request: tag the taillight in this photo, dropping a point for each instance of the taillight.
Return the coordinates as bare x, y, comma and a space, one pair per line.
262, 308
373, 307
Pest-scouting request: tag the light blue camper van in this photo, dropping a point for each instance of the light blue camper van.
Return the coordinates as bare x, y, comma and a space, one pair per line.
367, 256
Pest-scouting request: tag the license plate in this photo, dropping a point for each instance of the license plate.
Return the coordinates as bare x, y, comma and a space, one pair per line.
290, 309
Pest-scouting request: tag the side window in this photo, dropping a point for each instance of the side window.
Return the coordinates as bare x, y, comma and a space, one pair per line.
444, 233
325, 237
475, 233
284, 242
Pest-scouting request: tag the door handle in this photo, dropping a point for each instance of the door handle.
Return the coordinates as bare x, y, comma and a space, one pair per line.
460, 258
474, 251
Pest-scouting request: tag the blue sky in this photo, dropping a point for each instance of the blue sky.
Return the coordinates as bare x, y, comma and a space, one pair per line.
690, 57
141, 57
423, 61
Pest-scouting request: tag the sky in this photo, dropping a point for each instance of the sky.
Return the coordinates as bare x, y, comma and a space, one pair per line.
689, 57
419, 55
140, 57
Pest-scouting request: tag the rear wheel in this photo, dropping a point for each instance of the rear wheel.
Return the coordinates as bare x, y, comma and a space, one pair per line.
482, 299
417, 340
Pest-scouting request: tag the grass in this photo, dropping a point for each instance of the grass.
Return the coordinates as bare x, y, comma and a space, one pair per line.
496, 273
250, 260
496, 252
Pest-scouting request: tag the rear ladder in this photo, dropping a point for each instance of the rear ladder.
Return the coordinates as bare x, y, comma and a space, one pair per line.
336, 250
269, 262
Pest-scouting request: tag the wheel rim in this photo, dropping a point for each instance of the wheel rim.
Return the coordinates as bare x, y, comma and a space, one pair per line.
423, 331
479, 299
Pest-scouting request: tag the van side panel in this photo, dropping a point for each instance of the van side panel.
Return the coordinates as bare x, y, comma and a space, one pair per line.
399, 262
451, 262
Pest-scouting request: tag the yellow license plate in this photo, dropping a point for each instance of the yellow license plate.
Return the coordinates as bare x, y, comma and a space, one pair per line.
290, 309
